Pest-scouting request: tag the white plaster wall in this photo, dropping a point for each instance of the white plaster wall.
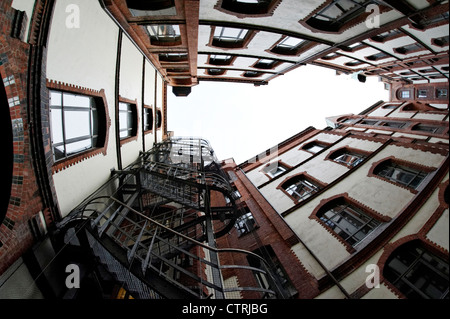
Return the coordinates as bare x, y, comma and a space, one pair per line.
285, 9
130, 87
439, 232
84, 57
149, 99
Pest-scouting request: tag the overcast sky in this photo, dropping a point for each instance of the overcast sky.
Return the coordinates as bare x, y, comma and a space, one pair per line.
241, 120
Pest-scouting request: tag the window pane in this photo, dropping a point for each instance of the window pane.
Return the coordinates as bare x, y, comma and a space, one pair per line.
56, 126
79, 146
76, 124
290, 42
55, 98
75, 100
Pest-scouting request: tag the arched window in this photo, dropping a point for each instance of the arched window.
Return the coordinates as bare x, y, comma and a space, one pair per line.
78, 123
337, 15
400, 173
417, 273
347, 157
300, 187
347, 221
314, 147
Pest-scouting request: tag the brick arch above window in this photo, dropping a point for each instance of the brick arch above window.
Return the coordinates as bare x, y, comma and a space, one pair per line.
104, 123
241, 9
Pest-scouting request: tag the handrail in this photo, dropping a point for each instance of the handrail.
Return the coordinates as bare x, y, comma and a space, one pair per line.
213, 249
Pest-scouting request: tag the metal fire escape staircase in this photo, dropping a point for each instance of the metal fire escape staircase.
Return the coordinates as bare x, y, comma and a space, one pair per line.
152, 228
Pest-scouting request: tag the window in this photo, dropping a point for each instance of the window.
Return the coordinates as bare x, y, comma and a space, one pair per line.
245, 223
377, 56
164, 34
158, 119
300, 188
173, 57
274, 169
441, 42
337, 14
422, 93
417, 272
400, 174
428, 128
77, 123
405, 94
217, 59
216, 72
314, 147
151, 8
347, 221
127, 120
388, 35
252, 74
347, 158
394, 124
441, 93
266, 64
230, 37
148, 119
289, 46
410, 48
248, 7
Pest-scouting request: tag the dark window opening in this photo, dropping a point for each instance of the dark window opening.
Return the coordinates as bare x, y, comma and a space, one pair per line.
6, 130
280, 275
245, 223
148, 119
249, 7
417, 272
158, 119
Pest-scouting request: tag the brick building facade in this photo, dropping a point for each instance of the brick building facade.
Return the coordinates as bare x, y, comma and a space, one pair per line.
84, 109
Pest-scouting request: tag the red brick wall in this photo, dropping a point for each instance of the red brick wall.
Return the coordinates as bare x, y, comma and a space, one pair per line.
271, 231
25, 201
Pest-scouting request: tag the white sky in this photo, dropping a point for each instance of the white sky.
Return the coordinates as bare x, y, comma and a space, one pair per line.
241, 120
